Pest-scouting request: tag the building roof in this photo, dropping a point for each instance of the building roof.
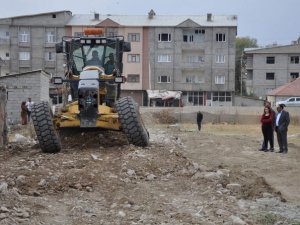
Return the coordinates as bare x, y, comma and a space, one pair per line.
38, 14
155, 21
289, 89
284, 49
24, 73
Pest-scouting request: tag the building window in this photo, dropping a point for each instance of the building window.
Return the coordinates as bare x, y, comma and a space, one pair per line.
220, 79
164, 79
133, 58
164, 58
112, 32
24, 36
7, 54
294, 75
134, 37
270, 76
188, 38
50, 37
193, 97
50, 56
270, 60
194, 79
220, 58
220, 37
164, 37
221, 96
190, 79
294, 60
200, 31
24, 55
7, 33
78, 34
195, 58
133, 78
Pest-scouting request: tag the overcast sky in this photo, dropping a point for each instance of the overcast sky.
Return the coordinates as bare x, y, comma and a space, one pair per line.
268, 21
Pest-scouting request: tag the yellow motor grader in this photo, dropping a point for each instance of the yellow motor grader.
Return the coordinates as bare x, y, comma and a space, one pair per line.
92, 83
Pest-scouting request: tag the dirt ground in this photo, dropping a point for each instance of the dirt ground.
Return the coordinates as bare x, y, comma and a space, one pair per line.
215, 176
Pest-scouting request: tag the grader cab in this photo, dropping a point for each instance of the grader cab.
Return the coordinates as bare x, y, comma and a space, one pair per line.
92, 87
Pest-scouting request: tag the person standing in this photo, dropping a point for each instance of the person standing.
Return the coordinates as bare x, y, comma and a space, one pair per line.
29, 105
267, 127
282, 123
199, 119
24, 113
265, 145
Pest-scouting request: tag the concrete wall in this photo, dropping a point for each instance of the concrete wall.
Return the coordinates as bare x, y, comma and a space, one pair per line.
20, 87
236, 115
246, 101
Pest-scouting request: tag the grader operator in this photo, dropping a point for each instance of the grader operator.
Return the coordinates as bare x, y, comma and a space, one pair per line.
92, 82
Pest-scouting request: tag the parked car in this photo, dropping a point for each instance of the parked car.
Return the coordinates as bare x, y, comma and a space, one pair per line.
293, 101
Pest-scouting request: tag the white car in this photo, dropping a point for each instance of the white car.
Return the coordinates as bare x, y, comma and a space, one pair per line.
293, 101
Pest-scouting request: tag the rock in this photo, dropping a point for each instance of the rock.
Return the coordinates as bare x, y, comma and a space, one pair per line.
78, 186
21, 180
3, 209
94, 157
42, 183
3, 216
121, 214
223, 172
237, 221
88, 189
150, 177
212, 175
235, 188
222, 213
20, 138
131, 173
3, 187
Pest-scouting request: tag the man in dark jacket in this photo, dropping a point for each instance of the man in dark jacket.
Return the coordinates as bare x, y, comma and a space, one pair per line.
282, 123
199, 120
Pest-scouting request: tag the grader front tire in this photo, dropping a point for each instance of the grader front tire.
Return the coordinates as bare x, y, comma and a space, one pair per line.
47, 136
131, 122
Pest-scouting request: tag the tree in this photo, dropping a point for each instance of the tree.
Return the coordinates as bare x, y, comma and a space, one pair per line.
240, 44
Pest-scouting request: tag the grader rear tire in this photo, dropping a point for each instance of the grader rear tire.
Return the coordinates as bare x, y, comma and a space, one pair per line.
131, 122
47, 136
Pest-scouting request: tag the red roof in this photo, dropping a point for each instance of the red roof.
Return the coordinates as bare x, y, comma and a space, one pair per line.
289, 89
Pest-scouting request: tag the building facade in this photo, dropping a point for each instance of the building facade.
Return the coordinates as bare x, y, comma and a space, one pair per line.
27, 43
192, 54
268, 68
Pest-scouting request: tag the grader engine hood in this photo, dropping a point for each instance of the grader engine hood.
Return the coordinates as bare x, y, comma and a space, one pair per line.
88, 98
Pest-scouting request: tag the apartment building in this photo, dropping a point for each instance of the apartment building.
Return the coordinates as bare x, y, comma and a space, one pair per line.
269, 68
27, 43
191, 54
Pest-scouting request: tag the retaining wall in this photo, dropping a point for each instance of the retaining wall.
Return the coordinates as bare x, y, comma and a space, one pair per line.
230, 114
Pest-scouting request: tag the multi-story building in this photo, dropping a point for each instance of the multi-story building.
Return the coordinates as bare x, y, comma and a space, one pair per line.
27, 43
269, 68
191, 54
